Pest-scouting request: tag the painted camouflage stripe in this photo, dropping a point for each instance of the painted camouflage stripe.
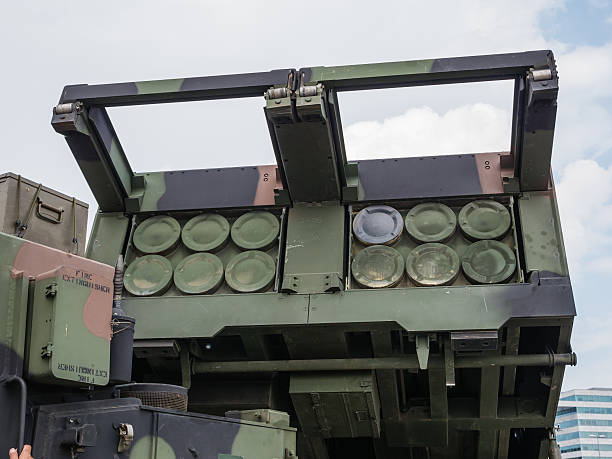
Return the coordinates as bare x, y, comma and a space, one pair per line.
178, 89
430, 176
160, 434
461, 69
211, 188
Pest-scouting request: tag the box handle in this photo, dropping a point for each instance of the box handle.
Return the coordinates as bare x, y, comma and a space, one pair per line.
49, 213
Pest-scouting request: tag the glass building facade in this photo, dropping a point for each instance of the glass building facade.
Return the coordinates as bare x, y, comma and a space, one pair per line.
584, 423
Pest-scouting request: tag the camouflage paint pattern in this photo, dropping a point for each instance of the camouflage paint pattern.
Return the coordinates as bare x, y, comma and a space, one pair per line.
84, 287
207, 188
160, 434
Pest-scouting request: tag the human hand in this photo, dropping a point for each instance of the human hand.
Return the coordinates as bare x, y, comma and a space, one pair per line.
26, 453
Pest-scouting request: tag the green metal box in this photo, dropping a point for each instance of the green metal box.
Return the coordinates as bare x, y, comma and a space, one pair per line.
336, 405
68, 330
52, 218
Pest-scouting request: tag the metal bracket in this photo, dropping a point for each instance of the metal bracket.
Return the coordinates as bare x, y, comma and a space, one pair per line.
51, 289
79, 436
449, 363
126, 437
47, 351
320, 415
474, 340
422, 350
312, 283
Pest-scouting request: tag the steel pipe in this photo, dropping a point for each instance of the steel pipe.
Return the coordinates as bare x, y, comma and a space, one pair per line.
381, 363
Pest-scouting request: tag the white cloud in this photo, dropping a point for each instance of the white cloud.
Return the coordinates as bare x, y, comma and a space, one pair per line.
422, 131
585, 205
585, 72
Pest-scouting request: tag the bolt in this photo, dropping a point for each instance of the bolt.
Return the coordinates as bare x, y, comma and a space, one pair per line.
308, 99
277, 101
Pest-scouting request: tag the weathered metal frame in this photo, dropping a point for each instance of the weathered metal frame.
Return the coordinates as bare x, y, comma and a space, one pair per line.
94, 142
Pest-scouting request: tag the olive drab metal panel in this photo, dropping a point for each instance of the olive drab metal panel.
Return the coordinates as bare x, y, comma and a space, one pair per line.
38, 213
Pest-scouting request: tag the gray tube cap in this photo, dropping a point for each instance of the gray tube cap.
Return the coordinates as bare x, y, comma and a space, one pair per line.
378, 225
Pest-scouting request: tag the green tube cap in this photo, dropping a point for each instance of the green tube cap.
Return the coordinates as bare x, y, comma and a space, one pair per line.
433, 264
250, 271
255, 230
378, 225
378, 266
488, 262
431, 222
205, 232
148, 275
485, 219
157, 234
199, 273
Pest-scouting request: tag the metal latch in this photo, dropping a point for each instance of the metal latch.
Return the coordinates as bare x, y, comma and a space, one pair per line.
47, 351
126, 437
51, 289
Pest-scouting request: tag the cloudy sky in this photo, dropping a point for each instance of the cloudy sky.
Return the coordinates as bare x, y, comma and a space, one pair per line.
46, 45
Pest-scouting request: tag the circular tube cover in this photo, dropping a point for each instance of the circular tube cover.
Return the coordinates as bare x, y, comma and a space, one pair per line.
431, 222
378, 266
378, 225
250, 271
205, 232
148, 275
199, 273
157, 234
485, 219
255, 230
433, 264
488, 262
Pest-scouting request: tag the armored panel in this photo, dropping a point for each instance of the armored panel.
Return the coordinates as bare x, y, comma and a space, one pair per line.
38, 213
69, 307
122, 427
71, 311
314, 250
338, 405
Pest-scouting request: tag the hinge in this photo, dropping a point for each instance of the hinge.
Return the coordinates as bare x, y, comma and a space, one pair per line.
540, 74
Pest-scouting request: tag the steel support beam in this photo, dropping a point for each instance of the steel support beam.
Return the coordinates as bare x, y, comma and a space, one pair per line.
178, 89
426, 71
382, 363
